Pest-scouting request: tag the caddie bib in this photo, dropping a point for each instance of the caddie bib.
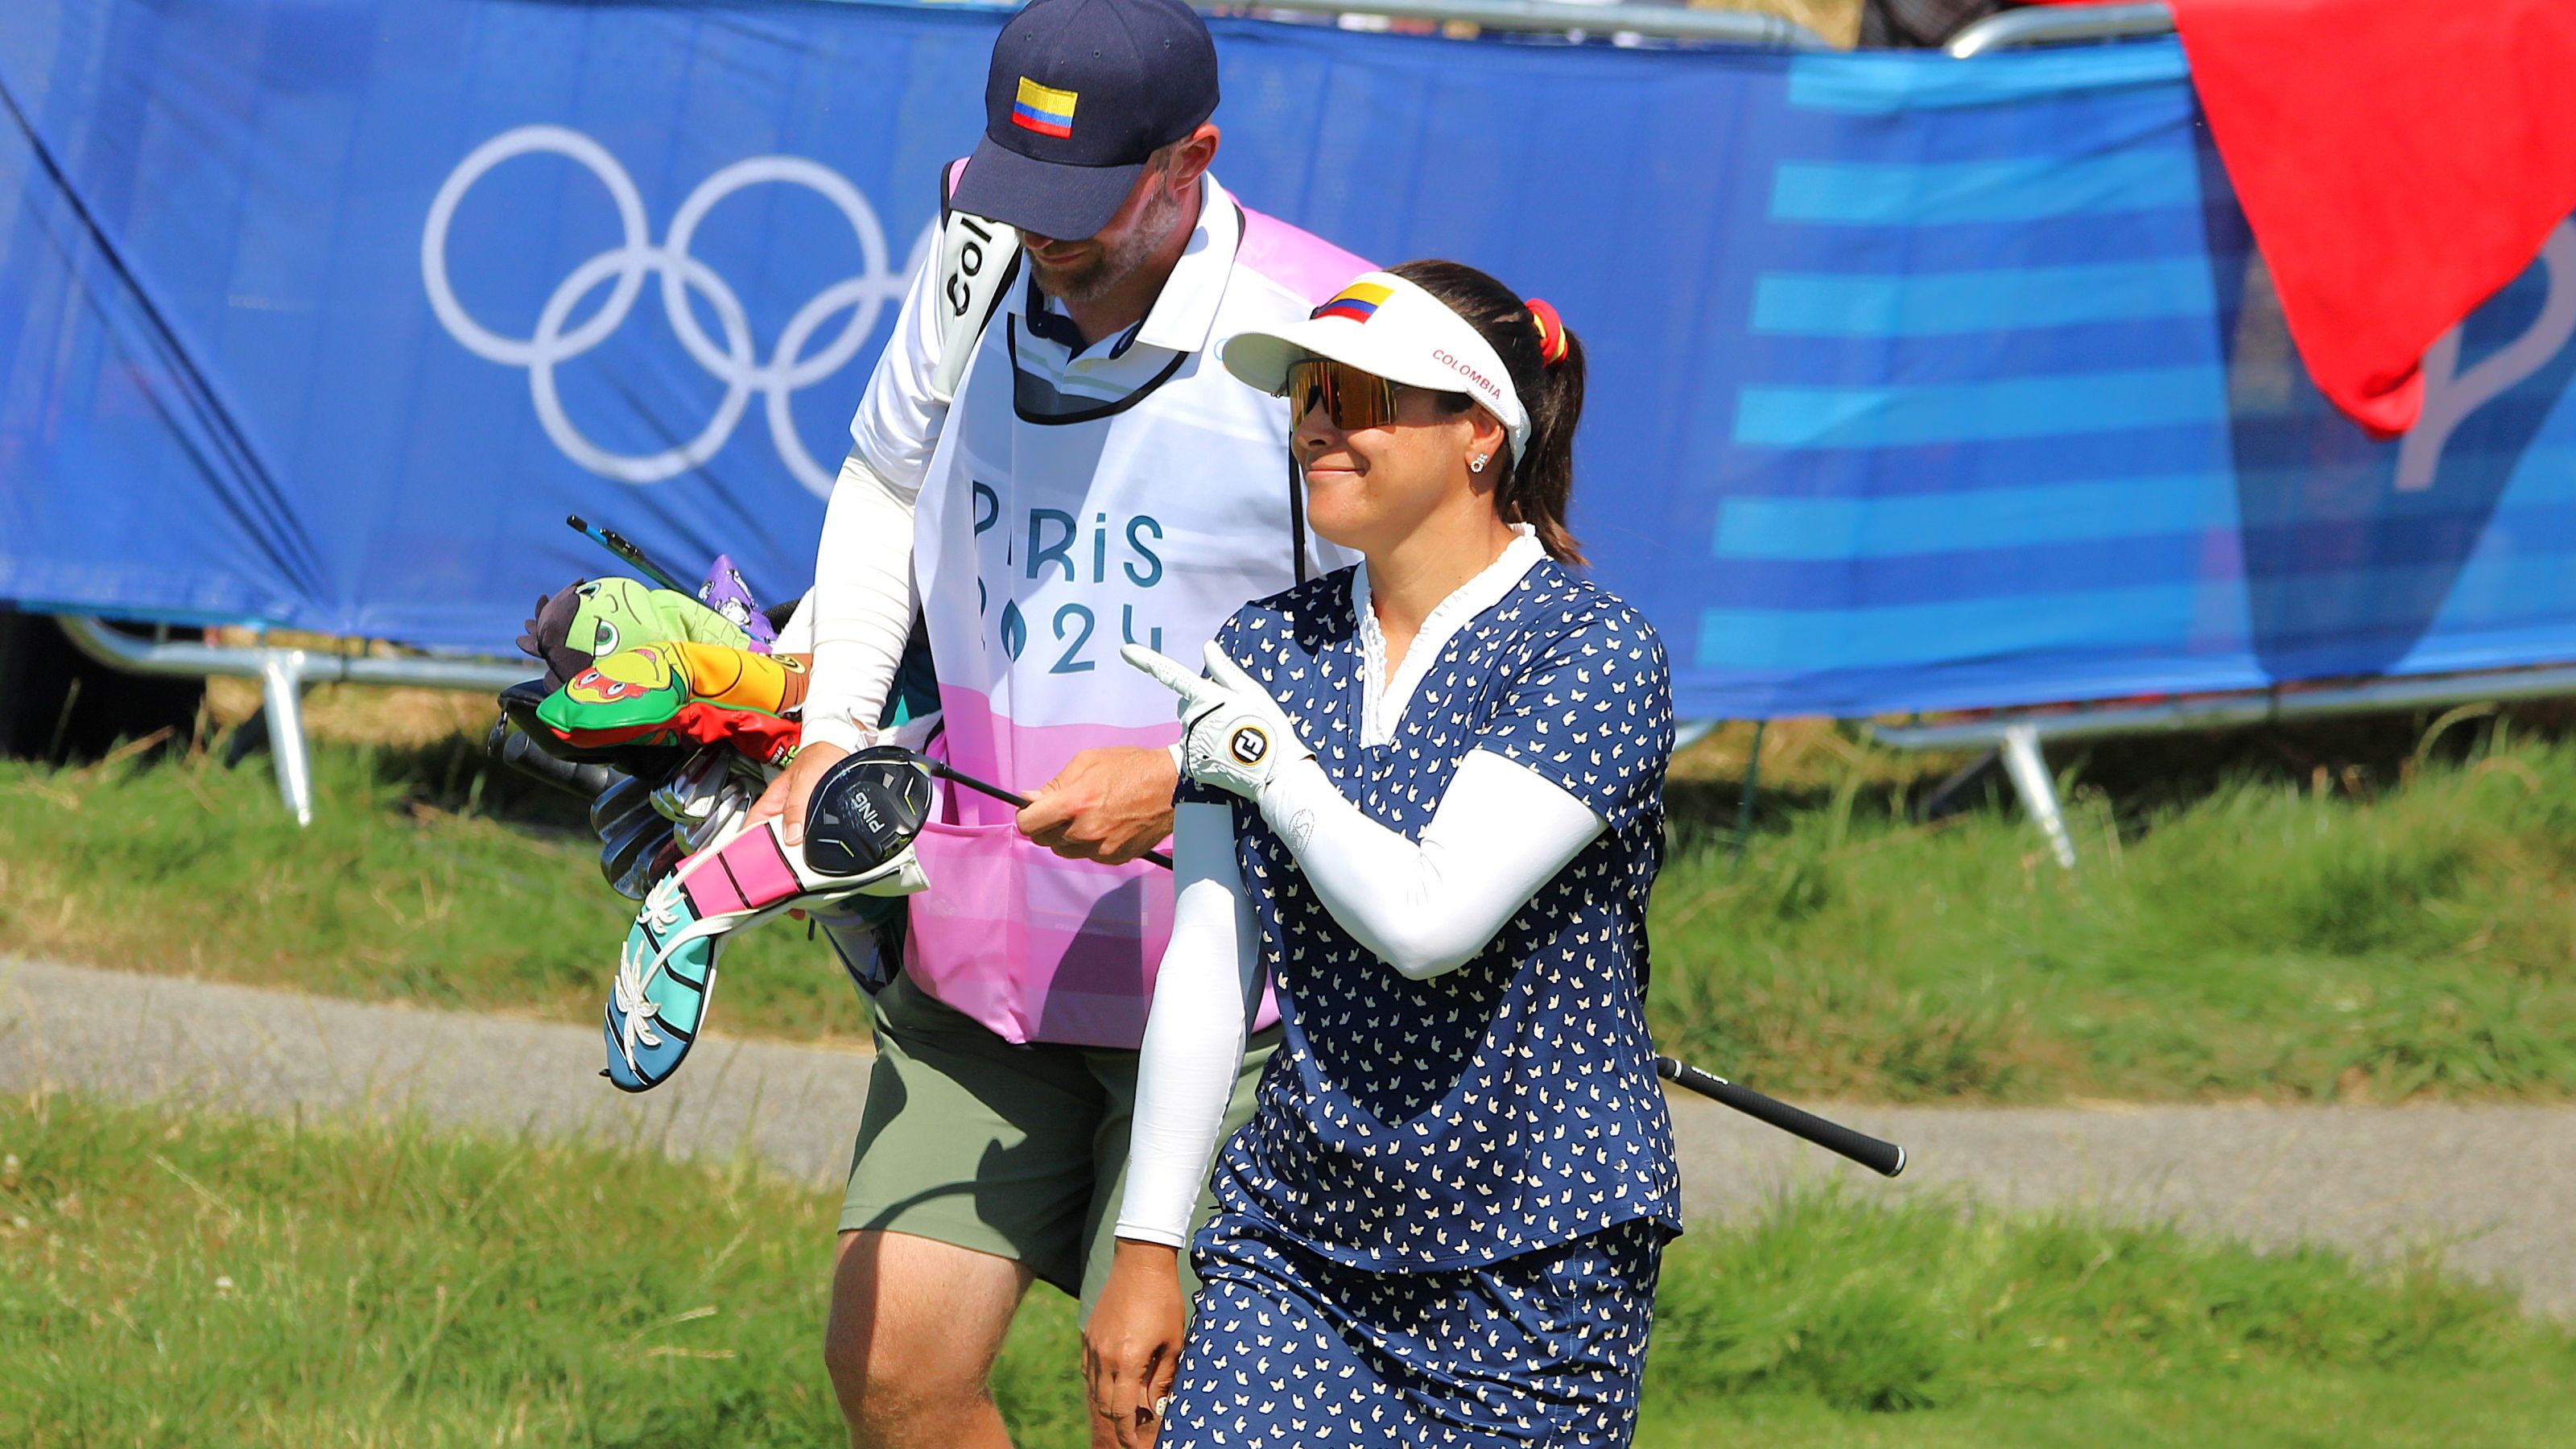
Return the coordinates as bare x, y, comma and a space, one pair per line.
1127, 492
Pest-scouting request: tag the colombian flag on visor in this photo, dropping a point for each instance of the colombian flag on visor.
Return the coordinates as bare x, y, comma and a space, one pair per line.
1357, 302
1043, 109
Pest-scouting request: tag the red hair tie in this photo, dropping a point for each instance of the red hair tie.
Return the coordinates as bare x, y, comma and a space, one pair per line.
1551, 332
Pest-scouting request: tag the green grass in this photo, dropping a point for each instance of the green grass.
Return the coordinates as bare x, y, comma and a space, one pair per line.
427, 875
206, 1280
2259, 927
2258, 938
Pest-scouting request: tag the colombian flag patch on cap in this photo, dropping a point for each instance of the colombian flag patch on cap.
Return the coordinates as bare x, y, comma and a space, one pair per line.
1357, 302
1044, 109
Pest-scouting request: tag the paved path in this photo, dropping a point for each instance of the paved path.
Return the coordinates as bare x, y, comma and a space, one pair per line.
2495, 1183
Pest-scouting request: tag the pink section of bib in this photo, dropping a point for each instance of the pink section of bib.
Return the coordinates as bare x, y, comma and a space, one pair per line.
1302, 262
1035, 946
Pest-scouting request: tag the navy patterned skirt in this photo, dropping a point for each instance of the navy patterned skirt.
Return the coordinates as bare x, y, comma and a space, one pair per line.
1291, 1350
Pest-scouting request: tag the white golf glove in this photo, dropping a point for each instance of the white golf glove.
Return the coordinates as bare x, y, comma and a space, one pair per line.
1238, 736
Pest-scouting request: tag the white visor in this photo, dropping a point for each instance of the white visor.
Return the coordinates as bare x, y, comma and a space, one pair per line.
1388, 327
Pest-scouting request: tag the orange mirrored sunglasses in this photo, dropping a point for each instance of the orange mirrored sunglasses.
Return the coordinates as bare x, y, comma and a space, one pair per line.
1351, 398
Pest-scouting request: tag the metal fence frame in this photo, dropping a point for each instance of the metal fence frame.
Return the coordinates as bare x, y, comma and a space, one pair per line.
1663, 22
2054, 26
282, 674
2018, 735
1544, 17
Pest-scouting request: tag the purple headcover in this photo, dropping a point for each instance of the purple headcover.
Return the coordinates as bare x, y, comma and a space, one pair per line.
726, 593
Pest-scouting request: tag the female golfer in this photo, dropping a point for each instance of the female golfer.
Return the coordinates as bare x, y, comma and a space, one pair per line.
1424, 801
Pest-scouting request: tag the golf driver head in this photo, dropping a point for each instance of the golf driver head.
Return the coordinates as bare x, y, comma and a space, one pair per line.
865, 810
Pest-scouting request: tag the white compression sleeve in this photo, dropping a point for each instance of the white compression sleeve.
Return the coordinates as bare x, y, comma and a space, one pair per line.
863, 598
796, 636
1204, 998
1502, 831
902, 412
862, 604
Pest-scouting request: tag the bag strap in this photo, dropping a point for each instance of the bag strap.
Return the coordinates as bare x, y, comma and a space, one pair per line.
978, 260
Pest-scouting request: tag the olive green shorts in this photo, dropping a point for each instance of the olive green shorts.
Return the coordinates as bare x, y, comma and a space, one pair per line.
1017, 1151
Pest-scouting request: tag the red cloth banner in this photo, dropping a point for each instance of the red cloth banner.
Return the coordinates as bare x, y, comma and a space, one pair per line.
2399, 161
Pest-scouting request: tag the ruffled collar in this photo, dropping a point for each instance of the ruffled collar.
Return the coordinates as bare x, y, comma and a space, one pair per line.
1381, 708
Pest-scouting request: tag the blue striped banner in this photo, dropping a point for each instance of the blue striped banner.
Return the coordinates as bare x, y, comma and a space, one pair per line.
1938, 304
1871, 193
2024, 407
2392, 528
1821, 641
1917, 384
2327, 609
1886, 83
1992, 518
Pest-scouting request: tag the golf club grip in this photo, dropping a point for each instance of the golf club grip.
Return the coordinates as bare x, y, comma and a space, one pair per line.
1884, 1158
1009, 797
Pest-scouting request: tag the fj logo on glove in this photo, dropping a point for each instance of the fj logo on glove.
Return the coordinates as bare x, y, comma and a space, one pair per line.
1249, 745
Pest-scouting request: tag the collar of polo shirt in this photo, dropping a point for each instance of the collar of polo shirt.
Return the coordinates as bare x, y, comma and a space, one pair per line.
1185, 312
1382, 324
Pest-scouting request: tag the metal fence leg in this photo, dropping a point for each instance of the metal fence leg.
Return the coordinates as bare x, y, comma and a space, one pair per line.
2038, 793
1746, 802
281, 692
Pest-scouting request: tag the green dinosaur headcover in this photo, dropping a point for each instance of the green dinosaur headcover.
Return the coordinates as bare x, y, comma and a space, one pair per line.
593, 618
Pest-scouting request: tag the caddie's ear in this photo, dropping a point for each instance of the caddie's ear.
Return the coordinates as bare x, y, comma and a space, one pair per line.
1191, 156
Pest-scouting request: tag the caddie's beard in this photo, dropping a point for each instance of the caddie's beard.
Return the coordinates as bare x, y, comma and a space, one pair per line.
1117, 261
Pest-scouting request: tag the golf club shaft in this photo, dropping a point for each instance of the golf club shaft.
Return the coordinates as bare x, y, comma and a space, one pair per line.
1884, 1158
1010, 798
616, 543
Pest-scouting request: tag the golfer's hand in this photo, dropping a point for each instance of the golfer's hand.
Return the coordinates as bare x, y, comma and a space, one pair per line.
1131, 1349
1236, 736
786, 795
1106, 805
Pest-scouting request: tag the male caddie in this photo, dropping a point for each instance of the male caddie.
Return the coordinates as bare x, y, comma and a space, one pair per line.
1094, 478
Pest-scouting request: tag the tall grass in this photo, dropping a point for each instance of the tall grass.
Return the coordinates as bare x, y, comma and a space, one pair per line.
428, 875
2260, 939
213, 1280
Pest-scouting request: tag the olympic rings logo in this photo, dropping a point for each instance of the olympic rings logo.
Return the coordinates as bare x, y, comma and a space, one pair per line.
558, 338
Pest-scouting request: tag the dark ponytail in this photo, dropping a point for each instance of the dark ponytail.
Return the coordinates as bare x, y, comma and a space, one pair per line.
1537, 487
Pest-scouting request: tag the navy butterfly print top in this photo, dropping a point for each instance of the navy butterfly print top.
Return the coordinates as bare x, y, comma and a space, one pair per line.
1511, 1104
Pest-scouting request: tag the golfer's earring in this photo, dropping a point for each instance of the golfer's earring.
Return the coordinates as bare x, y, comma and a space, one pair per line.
1476, 464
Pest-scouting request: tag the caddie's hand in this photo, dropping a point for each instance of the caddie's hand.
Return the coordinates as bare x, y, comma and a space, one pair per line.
1238, 736
786, 795
1131, 1349
1108, 805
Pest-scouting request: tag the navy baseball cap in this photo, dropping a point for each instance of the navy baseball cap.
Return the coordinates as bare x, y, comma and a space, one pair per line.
1079, 94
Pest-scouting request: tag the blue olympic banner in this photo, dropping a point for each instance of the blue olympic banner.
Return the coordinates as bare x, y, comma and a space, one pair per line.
1916, 383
